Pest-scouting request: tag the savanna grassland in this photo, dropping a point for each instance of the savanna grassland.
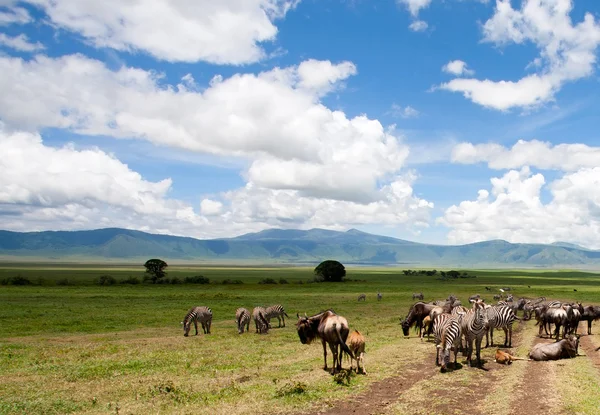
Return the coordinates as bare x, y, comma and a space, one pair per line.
68, 345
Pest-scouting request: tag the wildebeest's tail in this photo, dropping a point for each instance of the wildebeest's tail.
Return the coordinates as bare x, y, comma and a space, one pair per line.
345, 347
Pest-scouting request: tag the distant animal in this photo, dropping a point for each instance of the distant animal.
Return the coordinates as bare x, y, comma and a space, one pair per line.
488, 289
203, 315
379, 296
529, 286
562, 349
362, 297
331, 329
356, 343
474, 297
259, 316
504, 358
497, 296
418, 295
506, 288
242, 319
276, 311
574, 289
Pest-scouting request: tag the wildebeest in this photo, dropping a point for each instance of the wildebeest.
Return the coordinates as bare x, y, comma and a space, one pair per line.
418, 295
563, 349
416, 314
590, 313
331, 329
356, 343
362, 297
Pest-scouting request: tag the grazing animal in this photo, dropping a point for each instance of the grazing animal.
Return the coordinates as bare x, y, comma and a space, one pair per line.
203, 315
562, 349
447, 333
276, 311
416, 314
574, 289
504, 358
356, 343
379, 296
362, 297
590, 313
473, 326
242, 319
331, 329
500, 317
488, 289
426, 327
259, 316
418, 295
497, 296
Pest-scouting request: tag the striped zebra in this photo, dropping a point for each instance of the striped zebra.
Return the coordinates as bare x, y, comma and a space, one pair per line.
260, 320
275, 311
446, 329
500, 317
473, 325
202, 314
242, 319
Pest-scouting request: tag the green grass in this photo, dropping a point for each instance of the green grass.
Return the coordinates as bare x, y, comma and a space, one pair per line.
95, 347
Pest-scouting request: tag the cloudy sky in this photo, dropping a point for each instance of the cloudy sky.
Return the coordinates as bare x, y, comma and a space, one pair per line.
440, 121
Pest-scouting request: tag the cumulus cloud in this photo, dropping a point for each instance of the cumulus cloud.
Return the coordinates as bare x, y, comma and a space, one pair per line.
418, 26
414, 6
514, 210
534, 153
458, 68
567, 53
20, 43
221, 32
13, 15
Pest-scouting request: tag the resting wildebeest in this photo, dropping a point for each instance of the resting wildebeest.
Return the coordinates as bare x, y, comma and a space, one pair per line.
331, 329
563, 349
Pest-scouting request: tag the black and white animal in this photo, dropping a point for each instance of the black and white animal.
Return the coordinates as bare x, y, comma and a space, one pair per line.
500, 317
473, 326
242, 319
200, 314
260, 320
379, 296
362, 297
276, 311
447, 332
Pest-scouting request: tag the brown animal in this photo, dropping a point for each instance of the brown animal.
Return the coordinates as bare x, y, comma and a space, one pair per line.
426, 327
331, 329
356, 343
504, 358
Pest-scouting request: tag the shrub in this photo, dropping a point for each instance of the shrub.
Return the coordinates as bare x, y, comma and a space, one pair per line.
131, 280
16, 280
63, 281
228, 281
106, 280
283, 281
175, 280
197, 279
267, 281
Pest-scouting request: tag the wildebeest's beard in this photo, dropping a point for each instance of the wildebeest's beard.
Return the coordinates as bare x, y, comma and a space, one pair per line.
405, 326
305, 331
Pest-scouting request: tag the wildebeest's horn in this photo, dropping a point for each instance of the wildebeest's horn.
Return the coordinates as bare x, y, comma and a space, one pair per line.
297, 315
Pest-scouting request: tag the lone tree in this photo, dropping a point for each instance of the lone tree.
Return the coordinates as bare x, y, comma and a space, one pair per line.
155, 268
330, 271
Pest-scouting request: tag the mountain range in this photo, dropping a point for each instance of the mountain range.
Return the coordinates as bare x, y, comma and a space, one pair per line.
281, 246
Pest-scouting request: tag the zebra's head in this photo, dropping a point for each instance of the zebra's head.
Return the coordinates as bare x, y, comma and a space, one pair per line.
187, 323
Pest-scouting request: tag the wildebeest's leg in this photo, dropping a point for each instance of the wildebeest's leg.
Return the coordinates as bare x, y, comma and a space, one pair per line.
334, 352
324, 354
589, 327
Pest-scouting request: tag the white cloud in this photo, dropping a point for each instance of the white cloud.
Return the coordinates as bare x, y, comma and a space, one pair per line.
221, 32
308, 165
418, 26
534, 153
458, 68
514, 210
399, 111
20, 43
567, 53
13, 15
414, 6
323, 75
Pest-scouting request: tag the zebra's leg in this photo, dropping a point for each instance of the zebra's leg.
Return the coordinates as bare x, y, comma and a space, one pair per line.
470, 352
196, 326
437, 355
478, 341
492, 335
505, 336
283, 318
209, 325
279, 321
510, 335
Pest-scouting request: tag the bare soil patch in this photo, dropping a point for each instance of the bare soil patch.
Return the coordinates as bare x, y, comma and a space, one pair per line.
586, 343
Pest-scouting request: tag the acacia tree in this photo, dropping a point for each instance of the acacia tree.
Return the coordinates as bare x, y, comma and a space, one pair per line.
330, 271
155, 268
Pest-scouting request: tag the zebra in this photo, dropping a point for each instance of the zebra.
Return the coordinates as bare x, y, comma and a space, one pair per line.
418, 295
362, 297
379, 296
473, 326
202, 314
242, 319
447, 333
500, 316
260, 320
275, 311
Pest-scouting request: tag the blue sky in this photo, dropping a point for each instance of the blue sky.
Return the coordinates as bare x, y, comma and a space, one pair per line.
437, 121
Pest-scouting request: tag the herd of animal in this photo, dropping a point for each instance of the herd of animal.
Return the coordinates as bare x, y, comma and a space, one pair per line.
448, 320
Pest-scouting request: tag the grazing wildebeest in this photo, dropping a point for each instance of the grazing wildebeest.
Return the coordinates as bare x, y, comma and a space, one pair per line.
356, 343
362, 297
331, 329
563, 349
418, 295
416, 314
590, 313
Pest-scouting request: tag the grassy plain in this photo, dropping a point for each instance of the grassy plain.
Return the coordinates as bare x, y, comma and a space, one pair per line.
84, 348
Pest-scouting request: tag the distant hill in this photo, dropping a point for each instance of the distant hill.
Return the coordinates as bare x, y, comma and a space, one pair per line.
284, 246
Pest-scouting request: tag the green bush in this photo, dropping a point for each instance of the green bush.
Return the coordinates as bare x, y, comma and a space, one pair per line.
283, 281
197, 279
106, 280
16, 280
63, 281
228, 281
131, 280
267, 281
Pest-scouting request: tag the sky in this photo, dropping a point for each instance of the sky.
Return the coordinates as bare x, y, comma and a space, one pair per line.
437, 121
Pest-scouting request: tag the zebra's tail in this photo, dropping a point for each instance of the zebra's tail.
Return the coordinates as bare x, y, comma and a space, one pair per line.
285, 314
345, 347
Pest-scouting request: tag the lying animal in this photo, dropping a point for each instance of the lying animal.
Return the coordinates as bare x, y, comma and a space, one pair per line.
356, 343
563, 349
504, 358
